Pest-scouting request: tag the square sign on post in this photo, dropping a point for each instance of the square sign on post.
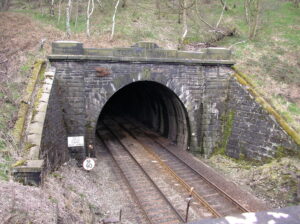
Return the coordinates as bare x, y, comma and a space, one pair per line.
76, 141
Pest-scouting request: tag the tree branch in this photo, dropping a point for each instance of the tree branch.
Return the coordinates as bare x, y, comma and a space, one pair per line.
221, 16
113, 21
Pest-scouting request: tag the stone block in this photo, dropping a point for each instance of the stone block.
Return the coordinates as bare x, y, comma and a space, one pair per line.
218, 53
39, 117
48, 81
42, 107
47, 88
34, 139
34, 153
35, 128
29, 174
190, 55
146, 45
67, 48
44, 97
99, 52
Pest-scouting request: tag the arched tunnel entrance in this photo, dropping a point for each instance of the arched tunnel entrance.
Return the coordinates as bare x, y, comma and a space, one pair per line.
153, 105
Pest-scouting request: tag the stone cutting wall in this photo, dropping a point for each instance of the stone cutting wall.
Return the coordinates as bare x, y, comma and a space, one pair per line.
254, 133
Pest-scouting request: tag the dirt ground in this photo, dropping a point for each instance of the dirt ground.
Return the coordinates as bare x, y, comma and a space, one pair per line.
71, 195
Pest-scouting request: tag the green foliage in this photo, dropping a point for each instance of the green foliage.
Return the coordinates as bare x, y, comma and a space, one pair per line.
294, 108
227, 122
286, 152
5, 161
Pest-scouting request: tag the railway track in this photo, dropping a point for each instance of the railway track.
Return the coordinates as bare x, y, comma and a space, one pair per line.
134, 149
216, 198
156, 206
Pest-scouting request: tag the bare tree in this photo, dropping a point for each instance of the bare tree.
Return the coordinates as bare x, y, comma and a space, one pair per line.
113, 21
252, 12
89, 13
4, 5
68, 16
184, 20
99, 2
77, 13
224, 5
52, 8
124, 4
59, 10
221, 16
157, 4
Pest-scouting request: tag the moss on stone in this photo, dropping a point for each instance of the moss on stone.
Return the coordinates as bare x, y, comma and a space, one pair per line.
28, 146
282, 152
244, 80
19, 163
37, 102
19, 125
147, 74
227, 122
38, 68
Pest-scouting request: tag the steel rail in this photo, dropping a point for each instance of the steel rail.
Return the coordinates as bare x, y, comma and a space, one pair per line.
237, 204
180, 180
146, 174
126, 180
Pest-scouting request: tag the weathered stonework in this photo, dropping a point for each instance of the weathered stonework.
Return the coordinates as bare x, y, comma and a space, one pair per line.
202, 81
45, 139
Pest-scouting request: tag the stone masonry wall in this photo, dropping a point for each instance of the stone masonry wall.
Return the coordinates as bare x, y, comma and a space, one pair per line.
221, 112
54, 149
207, 92
254, 133
85, 93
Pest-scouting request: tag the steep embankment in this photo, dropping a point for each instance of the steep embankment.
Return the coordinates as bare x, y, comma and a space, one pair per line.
20, 45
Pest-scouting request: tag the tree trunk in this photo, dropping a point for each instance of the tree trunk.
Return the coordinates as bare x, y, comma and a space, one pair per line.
52, 8
180, 3
41, 6
253, 23
184, 20
77, 14
89, 12
68, 16
113, 21
246, 7
157, 3
4, 5
124, 4
224, 5
59, 10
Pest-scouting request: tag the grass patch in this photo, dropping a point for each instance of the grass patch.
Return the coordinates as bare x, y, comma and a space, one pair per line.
294, 108
5, 161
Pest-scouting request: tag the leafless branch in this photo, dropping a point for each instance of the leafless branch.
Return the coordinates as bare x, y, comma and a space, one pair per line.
221, 16
206, 23
113, 21
240, 42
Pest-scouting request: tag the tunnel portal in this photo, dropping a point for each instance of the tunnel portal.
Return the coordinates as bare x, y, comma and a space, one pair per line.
153, 105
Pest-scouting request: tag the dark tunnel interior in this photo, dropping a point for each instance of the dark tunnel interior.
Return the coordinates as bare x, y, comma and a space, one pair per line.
153, 105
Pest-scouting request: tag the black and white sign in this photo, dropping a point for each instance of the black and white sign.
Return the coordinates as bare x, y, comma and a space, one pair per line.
88, 164
75, 141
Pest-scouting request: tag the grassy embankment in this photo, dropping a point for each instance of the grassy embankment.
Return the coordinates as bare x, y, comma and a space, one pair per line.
271, 60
